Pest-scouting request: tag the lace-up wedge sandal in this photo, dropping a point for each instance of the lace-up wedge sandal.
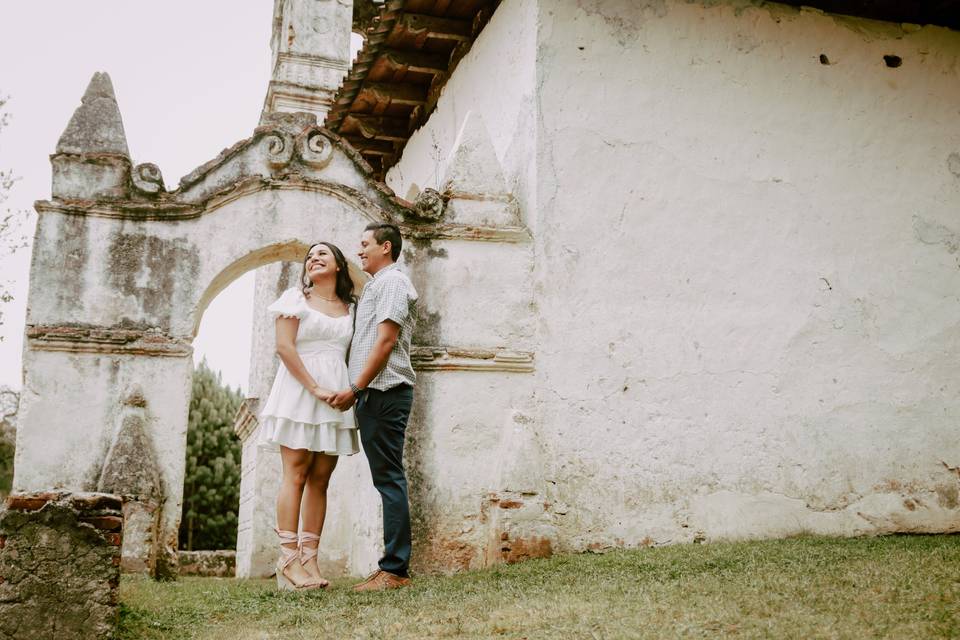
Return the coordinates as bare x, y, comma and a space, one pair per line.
309, 554
287, 557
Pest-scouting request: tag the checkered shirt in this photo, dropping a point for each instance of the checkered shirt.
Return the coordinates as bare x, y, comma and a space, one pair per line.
388, 296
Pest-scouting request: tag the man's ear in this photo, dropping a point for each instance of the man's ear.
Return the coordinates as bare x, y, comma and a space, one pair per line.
388, 247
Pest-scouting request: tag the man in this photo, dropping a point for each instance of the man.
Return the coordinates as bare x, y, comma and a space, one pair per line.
382, 381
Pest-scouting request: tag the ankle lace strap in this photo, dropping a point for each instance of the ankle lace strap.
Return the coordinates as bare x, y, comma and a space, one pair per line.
308, 553
287, 555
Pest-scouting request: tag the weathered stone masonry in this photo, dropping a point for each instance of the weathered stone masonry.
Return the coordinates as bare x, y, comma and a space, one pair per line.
60, 566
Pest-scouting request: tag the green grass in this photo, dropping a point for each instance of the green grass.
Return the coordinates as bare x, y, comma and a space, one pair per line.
891, 587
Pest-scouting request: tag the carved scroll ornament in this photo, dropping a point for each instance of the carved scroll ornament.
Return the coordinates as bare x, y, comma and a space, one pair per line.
316, 149
147, 178
278, 147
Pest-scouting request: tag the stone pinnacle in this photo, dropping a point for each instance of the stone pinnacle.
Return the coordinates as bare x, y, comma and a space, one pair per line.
96, 125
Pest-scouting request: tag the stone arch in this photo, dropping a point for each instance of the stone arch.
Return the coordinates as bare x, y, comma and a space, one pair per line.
122, 272
283, 251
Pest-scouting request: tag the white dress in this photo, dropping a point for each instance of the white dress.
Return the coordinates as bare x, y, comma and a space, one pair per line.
292, 416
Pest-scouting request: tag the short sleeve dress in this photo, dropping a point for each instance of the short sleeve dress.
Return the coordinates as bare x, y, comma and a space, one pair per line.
292, 416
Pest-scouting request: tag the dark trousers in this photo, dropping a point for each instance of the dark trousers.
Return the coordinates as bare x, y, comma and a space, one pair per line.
382, 417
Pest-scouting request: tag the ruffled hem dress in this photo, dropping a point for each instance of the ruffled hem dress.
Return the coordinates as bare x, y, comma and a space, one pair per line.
292, 416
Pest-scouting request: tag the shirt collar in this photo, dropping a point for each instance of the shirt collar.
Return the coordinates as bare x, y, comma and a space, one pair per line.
389, 267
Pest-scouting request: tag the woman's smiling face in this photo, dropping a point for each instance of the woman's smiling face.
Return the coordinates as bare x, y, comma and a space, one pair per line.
320, 261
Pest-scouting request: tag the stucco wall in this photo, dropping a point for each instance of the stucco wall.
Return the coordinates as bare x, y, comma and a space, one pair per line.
746, 263
779, 238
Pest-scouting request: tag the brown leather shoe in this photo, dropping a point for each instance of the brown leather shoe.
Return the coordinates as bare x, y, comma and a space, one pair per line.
381, 580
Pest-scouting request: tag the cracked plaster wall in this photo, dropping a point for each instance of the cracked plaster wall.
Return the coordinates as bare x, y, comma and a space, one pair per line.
773, 335
746, 263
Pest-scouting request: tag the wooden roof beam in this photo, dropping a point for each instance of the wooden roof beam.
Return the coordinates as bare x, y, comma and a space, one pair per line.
378, 127
420, 27
393, 93
403, 61
371, 147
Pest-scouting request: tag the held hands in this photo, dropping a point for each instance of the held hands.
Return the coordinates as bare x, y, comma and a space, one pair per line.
322, 394
342, 400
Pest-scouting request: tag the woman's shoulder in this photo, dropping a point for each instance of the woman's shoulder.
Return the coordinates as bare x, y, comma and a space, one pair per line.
291, 303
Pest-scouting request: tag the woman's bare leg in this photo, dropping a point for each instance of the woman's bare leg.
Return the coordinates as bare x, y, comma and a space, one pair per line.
315, 504
296, 467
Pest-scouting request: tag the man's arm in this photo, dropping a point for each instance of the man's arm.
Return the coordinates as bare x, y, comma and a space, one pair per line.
388, 332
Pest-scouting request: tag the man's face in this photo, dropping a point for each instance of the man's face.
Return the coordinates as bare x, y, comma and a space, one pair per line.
373, 256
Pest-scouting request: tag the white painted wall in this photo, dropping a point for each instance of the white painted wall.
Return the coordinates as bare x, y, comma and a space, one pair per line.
746, 262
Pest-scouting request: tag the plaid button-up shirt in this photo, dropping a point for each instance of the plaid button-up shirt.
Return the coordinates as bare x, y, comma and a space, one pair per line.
388, 296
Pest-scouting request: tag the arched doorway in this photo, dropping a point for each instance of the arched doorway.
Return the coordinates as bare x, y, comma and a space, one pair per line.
121, 275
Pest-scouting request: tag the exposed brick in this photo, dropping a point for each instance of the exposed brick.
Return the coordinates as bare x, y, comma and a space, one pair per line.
29, 501
510, 504
96, 501
115, 539
105, 523
533, 547
3, 541
504, 536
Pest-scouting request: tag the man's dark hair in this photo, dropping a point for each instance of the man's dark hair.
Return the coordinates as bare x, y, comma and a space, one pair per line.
383, 231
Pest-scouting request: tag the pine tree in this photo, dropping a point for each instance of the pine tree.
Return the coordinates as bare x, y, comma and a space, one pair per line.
211, 491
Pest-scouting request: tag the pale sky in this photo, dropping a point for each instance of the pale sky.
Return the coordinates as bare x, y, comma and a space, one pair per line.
190, 79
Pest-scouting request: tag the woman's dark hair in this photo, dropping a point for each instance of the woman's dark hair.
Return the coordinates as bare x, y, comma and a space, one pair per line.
344, 286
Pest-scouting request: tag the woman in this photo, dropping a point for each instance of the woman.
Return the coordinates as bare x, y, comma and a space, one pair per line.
314, 324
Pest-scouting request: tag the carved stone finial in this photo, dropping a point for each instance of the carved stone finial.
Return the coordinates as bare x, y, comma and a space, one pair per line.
92, 161
429, 205
96, 125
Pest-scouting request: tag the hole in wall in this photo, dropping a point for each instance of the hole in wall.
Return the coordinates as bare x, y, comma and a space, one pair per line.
893, 61
824, 59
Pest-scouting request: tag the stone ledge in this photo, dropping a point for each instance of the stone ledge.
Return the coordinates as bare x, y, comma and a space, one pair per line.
438, 358
210, 564
92, 502
89, 339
